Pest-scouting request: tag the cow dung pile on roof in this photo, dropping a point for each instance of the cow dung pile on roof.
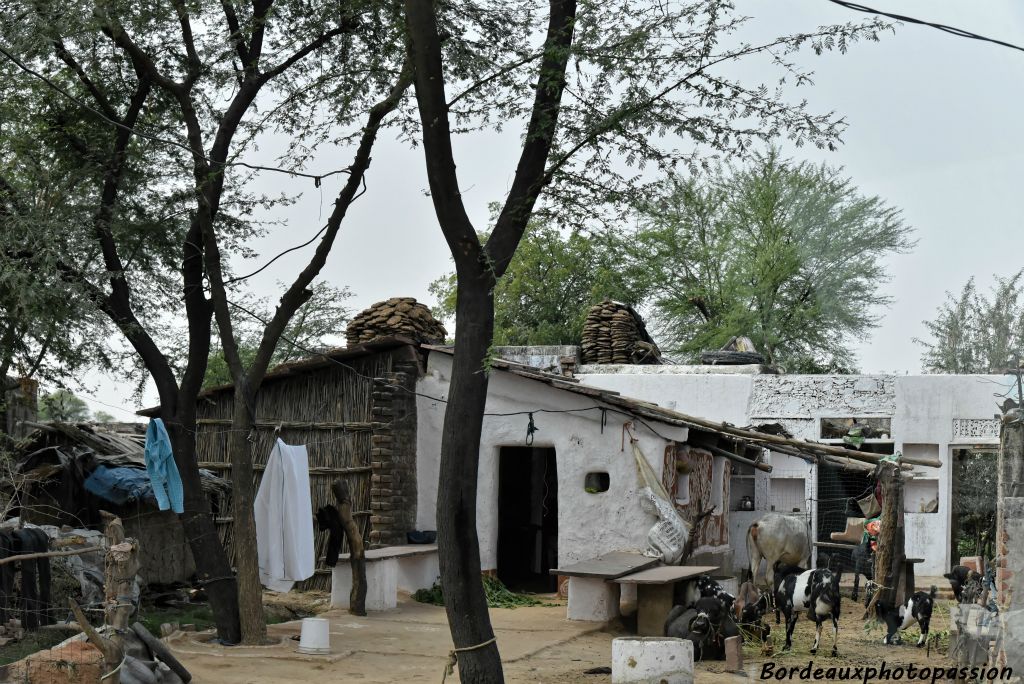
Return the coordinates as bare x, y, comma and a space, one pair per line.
614, 333
402, 316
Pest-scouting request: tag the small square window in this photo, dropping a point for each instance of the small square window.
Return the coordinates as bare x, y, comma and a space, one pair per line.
595, 483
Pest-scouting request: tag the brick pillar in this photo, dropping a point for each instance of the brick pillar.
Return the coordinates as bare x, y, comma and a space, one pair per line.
393, 456
1010, 512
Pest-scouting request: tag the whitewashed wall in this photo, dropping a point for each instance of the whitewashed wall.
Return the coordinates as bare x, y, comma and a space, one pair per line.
588, 524
931, 414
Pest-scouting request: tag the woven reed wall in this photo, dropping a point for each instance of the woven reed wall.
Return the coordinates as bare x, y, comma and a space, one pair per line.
329, 409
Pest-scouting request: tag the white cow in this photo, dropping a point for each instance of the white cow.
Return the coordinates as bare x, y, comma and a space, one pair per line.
776, 537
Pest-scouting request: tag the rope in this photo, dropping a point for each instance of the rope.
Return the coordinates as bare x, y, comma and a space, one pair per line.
453, 656
115, 670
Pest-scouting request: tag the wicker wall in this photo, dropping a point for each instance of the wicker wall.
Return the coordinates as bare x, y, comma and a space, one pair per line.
343, 412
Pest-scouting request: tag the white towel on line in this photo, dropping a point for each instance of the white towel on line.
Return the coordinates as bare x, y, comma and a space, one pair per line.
284, 519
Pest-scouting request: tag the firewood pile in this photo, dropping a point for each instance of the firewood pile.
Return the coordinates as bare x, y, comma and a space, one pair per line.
396, 316
614, 333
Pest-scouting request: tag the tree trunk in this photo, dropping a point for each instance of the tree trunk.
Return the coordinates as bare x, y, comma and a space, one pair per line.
356, 551
212, 567
250, 590
458, 545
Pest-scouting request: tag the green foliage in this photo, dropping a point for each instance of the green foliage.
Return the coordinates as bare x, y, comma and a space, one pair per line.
317, 325
64, 407
103, 417
786, 253
498, 595
975, 333
552, 281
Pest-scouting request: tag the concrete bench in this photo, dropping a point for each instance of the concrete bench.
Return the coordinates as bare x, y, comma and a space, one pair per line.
655, 590
592, 597
389, 569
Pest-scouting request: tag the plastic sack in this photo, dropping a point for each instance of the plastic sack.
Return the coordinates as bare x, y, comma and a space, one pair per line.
667, 539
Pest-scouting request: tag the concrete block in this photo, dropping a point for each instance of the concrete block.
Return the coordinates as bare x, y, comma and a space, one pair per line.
734, 654
418, 572
381, 584
593, 599
637, 660
627, 599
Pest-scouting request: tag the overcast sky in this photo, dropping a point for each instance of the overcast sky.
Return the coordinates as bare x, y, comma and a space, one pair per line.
934, 129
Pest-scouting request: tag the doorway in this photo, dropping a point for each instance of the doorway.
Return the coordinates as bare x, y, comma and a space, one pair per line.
527, 518
973, 503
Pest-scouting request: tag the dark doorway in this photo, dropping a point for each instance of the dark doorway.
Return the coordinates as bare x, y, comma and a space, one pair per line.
973, 524
527, 518
838, 490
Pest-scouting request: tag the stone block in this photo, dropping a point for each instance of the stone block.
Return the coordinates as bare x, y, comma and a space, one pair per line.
734, 654
665, 660
592, 599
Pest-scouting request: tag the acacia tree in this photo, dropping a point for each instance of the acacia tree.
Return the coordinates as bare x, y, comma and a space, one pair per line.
139, 78
643, 76
787, 253
315, 326
977, 333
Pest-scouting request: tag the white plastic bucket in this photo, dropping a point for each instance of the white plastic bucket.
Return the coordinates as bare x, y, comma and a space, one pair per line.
315, 638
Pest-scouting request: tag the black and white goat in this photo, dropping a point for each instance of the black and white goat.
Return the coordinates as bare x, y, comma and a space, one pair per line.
781, 571
705, 587
817, 592
917, 609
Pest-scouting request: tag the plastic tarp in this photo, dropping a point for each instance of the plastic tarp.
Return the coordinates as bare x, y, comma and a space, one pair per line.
120, 485
667, 539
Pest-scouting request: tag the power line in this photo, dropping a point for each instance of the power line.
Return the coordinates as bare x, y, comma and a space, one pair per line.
317, 178
921, 22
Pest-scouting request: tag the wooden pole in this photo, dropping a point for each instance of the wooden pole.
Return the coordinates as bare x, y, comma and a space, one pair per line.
357, 553
718, 451
890, 556
49, 554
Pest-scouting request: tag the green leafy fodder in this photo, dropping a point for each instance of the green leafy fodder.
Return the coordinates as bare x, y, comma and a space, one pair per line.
498, 596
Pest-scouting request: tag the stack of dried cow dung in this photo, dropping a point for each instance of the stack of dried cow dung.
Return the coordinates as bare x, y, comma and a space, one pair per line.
396, 316
614, 333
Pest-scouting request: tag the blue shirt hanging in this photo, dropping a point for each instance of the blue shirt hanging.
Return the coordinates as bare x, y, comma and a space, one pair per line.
163, 472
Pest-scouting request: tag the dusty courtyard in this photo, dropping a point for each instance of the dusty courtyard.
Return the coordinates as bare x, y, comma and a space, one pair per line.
411, 644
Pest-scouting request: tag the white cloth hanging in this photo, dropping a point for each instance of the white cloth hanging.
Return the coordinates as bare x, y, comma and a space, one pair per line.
284, 519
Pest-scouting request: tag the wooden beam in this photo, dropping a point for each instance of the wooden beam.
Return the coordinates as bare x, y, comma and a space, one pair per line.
361, 426
718, 451
49, 554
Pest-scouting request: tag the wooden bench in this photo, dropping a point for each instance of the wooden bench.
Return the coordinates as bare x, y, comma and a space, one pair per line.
655, 591
389, 569
592, 597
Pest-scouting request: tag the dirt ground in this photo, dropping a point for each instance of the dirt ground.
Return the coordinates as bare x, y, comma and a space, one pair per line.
411, 644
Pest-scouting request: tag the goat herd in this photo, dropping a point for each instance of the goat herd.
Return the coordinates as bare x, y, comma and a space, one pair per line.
707, 615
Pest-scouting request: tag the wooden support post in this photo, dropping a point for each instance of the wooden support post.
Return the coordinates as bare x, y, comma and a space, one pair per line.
120, 566
357, 553
890, 557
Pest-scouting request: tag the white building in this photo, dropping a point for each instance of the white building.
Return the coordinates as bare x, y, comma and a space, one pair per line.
938, 417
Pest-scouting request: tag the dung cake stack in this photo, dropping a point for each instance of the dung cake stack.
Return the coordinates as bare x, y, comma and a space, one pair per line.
397, 316
614, 333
